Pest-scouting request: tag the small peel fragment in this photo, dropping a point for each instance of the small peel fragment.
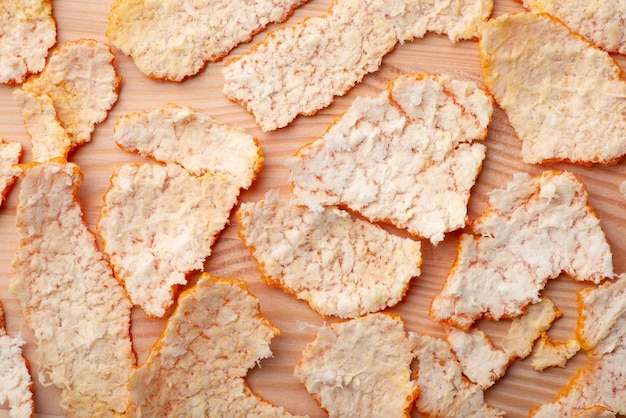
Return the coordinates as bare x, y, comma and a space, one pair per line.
482, 361
78, 311
527, 328
16, 389
198, 365
299, 69
361, 367
339, 265
408, 157
534, 230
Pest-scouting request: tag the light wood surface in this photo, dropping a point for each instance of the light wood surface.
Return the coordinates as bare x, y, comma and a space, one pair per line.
519, 391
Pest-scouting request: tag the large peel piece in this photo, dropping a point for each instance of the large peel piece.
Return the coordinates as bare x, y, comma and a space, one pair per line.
533, 230
79, 312
299, 69
564, 97
198, 365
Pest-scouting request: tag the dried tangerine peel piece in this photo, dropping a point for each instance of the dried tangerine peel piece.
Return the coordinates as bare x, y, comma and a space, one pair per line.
196, 141
198, 365
483, 362
175, 40
28, 32
597, 318
533, 230
595, 412
339, 265
159, 223
49, 138
600, 382
600, 22
528, 327
299, 69
406, 157
82, 82
444, 390
549, 353
351, 373
563, 96
10, 153
16, 389
79, 312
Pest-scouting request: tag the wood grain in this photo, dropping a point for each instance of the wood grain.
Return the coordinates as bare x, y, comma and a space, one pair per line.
520, 390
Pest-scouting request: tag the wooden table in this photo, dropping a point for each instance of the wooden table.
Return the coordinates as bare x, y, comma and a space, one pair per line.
520, 390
